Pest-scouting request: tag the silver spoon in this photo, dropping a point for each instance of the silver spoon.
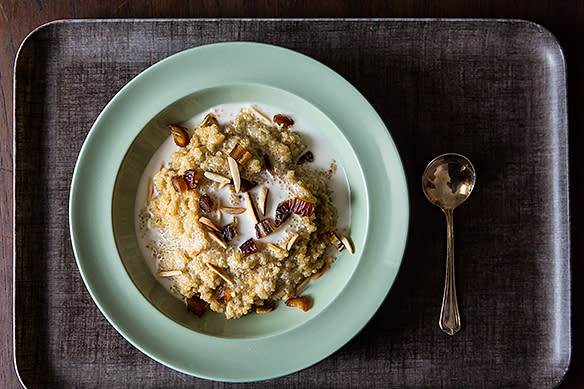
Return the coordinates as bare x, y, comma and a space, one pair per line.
447, 182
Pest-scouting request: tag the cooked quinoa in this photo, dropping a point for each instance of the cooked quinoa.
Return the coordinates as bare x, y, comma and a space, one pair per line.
186, 244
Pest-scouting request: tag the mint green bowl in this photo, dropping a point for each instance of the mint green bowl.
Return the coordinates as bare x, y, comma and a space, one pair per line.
120, 144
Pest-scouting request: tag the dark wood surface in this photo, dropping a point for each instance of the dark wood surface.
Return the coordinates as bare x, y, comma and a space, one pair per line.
564, 19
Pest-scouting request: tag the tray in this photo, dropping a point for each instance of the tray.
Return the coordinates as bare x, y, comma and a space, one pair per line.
494, 90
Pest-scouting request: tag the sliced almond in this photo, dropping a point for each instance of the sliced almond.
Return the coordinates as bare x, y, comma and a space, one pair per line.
263, 199
168, 273
233, 210
298, 302
262, 115
217, 178
251, 208
327, 262
291, 242
222, 185
217, 239
194, 253
150, 192
209, 223
274, 247
302, 285
234, 169
220, 272
347, 243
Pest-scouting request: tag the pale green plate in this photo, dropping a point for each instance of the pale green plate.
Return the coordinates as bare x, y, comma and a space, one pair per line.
119, 145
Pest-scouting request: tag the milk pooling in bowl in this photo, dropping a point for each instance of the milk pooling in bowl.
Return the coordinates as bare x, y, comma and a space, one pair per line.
241, 209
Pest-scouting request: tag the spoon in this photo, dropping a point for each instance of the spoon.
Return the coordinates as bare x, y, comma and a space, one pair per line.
447, 182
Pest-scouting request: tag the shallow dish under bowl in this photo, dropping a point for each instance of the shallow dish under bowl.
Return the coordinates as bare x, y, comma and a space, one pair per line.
102, 212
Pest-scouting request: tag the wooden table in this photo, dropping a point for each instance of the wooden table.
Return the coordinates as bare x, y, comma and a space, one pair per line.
565, 19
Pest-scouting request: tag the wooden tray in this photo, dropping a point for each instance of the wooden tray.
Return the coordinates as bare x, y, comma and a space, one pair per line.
494, 90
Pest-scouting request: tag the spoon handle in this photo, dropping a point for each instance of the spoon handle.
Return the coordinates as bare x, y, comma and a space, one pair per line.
449, 316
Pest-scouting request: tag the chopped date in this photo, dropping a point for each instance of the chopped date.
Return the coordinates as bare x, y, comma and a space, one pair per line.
196, 305
179, 135
223, 295
192, 178
283, 120
229, 232
246, 185
283, 212
335, 241
268, 165
248, 247
267, 307
178, 183
303, 207
306, 157
240, 154
264, 228
206, 203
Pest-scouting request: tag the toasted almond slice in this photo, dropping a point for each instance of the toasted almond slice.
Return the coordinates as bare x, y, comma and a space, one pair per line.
209, 223
234, 169
220, 272
274, 247
302, 285
150, 192
298, 302
327, 262
233, 210
222, 185
347, 243
261, 114
194, 253
263, 199
168, 273
217, 177
217, 239
251, 208
291, 242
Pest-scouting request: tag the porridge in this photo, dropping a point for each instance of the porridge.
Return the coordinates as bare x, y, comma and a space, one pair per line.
235, 214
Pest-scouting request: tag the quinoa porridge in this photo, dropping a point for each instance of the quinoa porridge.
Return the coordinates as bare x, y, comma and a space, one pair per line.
242, 208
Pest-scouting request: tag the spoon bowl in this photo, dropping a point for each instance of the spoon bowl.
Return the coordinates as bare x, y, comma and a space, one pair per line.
447, 182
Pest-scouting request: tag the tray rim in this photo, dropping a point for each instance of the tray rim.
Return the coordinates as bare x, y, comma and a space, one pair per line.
539, 27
